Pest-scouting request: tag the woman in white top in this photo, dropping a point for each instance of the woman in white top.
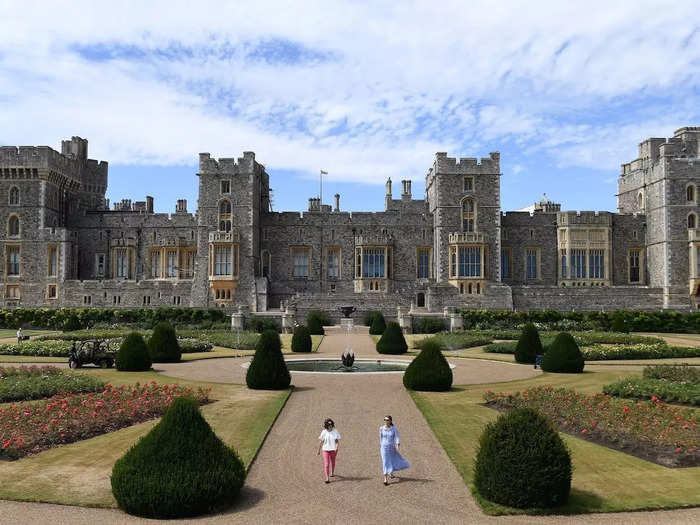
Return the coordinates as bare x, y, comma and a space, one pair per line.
329, 440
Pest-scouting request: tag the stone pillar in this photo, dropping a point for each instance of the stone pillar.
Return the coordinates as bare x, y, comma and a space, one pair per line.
405, 320
238, 320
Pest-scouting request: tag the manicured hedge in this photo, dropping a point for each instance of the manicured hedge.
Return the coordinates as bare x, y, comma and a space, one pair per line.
428, 325
429, 371
563, 356
455, 340
316, 320
133, 354
192, 346
86, 317
529, 345
35, 382
522, 462
378, 325
267, 370
179, 469
163, 346
682, 373
392, 341
634, 320
301, 340
260, 324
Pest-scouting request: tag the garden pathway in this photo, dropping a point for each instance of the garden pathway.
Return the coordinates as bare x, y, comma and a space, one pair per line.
285, 483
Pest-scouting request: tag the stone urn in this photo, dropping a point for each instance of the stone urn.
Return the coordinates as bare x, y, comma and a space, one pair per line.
346, 311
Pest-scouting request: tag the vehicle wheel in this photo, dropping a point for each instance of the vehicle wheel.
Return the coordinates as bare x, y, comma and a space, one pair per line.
102, 363
73, 364
110, 363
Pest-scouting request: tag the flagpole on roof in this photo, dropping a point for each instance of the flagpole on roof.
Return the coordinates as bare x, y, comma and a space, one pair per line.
320, 189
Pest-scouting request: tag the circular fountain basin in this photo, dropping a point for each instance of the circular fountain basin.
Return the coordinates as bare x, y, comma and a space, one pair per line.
335, 366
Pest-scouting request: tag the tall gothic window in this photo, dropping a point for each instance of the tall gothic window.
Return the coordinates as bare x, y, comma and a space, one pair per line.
225, 215
468, 215
423, 263
692, 221
14, 196
690, 193
634, 257
13, 226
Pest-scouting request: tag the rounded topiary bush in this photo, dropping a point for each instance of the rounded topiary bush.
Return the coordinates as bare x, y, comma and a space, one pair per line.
316, 320
133, 354
522, 462
429, 371
267, 370
301, 340
529, 345
392, 340
378, 325
179, 469
163, 346
563, 356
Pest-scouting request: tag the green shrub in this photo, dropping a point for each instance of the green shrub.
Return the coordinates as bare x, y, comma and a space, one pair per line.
522, 462
680, 373
133, 354
47, 348
71, 324
638, 351
260, 324
369, 315
455, 340
501, 348
428, 325
316, 320
267, 370
191, 346
301, 340
34, 382
392, 340
224, 338
619, 324
563, 356
429, 371
163, 346
529, 345
179, 469
664, 390
378, 324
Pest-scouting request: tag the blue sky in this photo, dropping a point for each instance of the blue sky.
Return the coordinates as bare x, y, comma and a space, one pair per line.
362, 90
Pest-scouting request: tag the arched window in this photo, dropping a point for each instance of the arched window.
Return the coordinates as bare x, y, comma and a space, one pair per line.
225, 215
690, 193
420, 300
14, 196
640, 200
468, 215
692, 221
13, 226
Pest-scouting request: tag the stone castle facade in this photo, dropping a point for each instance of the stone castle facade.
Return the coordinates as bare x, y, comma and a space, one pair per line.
62, 246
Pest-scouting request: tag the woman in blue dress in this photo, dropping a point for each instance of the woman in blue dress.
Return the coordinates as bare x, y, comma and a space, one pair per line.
389, 449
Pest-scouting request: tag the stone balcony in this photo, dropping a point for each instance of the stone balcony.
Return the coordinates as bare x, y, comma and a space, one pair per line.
466, 238
232, 236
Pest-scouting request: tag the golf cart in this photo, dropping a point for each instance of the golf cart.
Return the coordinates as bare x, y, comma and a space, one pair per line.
95, 351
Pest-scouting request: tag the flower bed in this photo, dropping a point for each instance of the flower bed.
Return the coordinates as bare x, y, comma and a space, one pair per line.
191, 346
600, 352
666, 434
51, 348
32, 427
642, 388
683, 373
36, 382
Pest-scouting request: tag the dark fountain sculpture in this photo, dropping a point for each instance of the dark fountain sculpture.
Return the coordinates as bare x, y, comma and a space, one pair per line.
346, 311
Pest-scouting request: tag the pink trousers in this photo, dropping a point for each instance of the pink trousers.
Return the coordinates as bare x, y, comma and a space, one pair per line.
329, 461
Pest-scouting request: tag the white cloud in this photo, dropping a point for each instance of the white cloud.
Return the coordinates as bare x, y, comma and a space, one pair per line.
406, 80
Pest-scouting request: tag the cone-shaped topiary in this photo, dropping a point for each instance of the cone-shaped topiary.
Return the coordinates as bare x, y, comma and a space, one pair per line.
563, 356
529, 345
267, 370
378, 325
368, 317
522, 462
430, 371
315, 320
301, 340
392, 340
179, 469
163, 346
133, 354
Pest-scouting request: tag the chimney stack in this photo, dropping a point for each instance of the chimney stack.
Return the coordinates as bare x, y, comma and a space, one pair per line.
406, 191
337, 202
181, 206
149, 204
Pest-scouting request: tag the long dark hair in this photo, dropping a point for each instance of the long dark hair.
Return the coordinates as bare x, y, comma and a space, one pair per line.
328, 423
391, 421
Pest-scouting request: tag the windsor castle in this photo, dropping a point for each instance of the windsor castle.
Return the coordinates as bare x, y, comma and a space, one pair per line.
62, 246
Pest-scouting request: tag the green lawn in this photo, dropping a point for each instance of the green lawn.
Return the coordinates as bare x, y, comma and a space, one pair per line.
10, 333
287, 342
78, 474
604, 480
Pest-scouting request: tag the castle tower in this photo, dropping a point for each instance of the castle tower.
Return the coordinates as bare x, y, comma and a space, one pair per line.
662, 183
464, 198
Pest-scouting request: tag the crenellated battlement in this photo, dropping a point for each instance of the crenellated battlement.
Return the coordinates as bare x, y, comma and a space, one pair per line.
445, 164
47, 159
684, 143
244, 164
572, 218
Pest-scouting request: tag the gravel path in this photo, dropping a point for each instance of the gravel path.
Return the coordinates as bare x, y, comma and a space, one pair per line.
285, 483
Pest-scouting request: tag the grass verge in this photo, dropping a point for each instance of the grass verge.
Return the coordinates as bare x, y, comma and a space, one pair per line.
604, 480
78, 474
